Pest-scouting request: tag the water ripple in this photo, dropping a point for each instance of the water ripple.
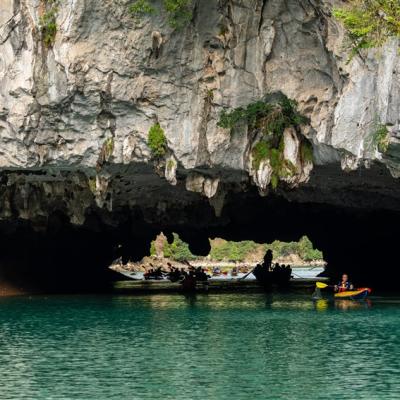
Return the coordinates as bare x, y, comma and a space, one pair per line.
209, 347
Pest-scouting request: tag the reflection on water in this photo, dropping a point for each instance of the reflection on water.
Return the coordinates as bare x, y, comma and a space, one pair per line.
321, 304
198, 347
352, 305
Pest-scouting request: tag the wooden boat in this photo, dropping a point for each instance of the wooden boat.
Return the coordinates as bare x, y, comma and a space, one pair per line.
357, 294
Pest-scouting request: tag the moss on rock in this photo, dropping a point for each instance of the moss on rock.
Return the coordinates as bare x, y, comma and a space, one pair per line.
48, 24
269, 119
306, 151
381, 138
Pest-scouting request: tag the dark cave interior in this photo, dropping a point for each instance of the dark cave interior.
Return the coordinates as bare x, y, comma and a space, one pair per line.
66, 258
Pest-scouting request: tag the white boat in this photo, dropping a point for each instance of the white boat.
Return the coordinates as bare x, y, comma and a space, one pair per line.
137, 276
297, 273
307, 272
229, 277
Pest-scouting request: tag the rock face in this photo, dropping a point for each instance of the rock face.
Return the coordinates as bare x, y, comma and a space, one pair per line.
75, 114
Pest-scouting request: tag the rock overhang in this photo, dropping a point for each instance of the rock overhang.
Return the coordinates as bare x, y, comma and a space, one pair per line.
103, 80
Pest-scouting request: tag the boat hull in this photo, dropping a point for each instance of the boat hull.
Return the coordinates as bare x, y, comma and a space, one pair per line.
136, 276
353, 294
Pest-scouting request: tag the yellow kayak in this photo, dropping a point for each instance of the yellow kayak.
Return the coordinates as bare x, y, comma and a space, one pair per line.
353, 294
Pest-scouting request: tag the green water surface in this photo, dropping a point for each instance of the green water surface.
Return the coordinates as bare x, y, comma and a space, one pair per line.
240, 346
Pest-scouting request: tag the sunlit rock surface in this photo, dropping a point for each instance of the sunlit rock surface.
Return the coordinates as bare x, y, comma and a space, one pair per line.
109, 77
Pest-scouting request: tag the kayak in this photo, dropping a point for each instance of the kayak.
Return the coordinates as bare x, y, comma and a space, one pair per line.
357, 294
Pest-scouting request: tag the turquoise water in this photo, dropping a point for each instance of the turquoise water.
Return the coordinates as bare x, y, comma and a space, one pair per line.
241, 346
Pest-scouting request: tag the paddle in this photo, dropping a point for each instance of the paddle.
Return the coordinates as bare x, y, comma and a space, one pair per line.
244, 277
319, 285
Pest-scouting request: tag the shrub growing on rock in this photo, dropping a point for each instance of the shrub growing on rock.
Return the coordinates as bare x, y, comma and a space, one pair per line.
260, 152
178, 12
306, 151
157, 141
170, 164
48, 24
270, 118
141, 7
370, 23
381, 139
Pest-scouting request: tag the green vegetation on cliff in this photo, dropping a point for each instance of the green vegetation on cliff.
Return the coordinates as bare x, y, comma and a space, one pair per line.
260, 152
303, 248
178, 250
381, 138
157, 141
370, 23
222, 250
48, 24
306, 151
178, 12
270, 118
281, 168
141, 7
244, 251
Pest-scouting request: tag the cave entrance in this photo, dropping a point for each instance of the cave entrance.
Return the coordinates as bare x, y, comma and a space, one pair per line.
61, 256
226, 258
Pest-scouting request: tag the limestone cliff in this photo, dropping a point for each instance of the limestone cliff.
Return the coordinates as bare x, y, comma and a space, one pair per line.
75, 113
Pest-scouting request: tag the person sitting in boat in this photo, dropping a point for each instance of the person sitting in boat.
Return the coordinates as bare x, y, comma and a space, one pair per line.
189, 282
201, 275
216, 271
174, 275
344, 285
262, 272
147, 275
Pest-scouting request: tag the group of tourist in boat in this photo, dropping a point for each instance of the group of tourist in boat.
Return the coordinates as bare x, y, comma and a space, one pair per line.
268, 273
192, 277
265, 273
191, 274
154, 273
187, 277
217, 271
